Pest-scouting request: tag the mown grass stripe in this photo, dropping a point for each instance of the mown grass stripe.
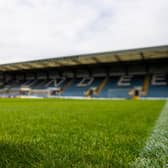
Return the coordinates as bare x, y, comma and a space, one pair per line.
155, 152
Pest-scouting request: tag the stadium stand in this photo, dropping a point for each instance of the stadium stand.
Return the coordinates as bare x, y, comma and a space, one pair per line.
119, 74
78, 89
120, 86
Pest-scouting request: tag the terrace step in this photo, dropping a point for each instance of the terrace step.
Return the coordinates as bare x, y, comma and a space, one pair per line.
101, 86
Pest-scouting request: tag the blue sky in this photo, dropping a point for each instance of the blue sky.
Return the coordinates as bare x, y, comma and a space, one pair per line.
36, 29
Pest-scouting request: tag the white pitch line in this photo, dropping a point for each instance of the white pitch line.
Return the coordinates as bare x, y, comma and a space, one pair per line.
155, 152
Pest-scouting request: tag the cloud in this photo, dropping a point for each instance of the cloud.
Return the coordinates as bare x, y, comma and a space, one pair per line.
34, 29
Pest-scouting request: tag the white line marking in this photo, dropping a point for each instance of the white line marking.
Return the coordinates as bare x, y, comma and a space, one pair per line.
155, 152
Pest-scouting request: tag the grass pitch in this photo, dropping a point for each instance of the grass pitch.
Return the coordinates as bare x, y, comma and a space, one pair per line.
60, 133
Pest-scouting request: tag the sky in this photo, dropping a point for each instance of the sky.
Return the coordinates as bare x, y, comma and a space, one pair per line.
38, 29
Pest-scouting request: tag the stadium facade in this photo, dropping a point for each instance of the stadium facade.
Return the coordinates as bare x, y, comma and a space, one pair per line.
119, 74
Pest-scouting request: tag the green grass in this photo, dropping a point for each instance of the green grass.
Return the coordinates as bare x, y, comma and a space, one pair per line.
74, 133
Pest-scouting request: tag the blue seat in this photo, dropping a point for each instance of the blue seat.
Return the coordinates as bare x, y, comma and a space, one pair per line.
112, 90
75, 90
158, 91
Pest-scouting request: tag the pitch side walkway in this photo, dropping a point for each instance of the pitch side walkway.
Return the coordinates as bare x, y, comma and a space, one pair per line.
155, 152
